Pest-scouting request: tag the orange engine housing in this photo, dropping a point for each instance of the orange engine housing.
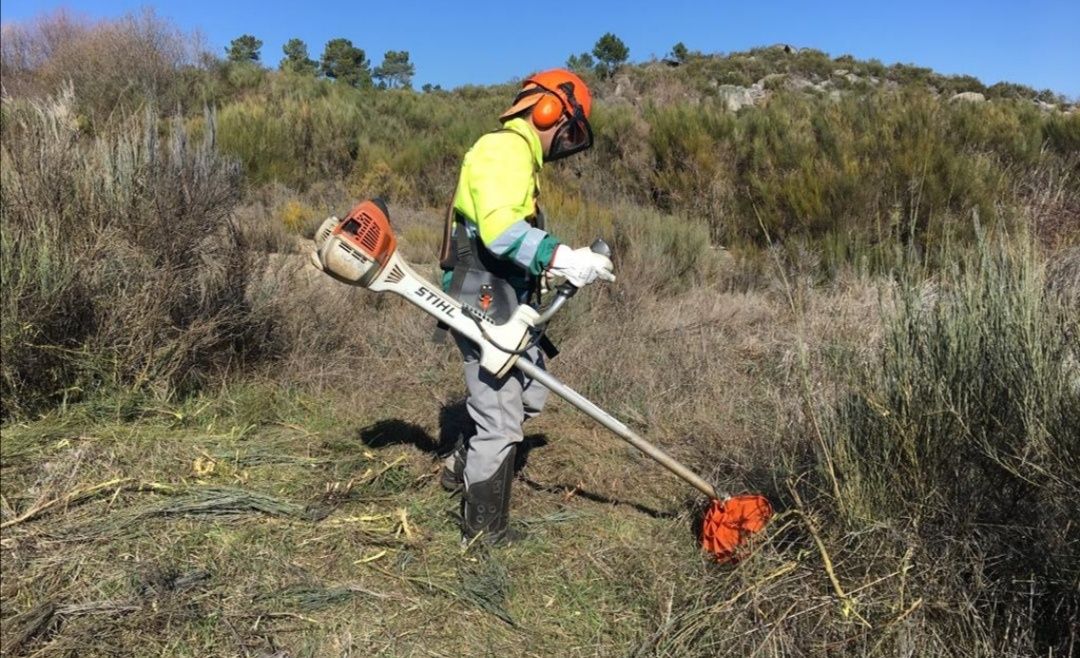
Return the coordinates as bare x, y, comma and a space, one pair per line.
367, 227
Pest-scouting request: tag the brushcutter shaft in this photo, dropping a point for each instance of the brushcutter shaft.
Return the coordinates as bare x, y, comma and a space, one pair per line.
615, 425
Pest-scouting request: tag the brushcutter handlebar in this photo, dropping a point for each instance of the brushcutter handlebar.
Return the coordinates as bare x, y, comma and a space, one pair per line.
567, 289
600, 247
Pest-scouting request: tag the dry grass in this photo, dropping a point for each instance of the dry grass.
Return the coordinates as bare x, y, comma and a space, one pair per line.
302, 515
613, 549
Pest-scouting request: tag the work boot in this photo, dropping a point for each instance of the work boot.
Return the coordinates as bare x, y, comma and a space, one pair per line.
485, 507
452, 477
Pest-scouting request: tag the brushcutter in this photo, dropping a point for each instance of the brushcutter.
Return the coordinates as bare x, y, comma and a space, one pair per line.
361, 250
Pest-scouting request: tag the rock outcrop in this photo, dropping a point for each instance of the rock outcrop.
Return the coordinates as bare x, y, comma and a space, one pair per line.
968, 97
735, 97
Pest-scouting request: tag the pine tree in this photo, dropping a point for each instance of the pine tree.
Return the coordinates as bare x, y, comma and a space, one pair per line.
580, 63
244, 48
611, 52
680, 53
396, 70
344, 62
296, 58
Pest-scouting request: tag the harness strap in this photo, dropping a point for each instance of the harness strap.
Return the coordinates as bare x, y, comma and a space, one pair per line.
472, 265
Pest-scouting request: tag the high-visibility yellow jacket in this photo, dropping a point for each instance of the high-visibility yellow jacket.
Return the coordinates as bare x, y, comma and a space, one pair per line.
496, 194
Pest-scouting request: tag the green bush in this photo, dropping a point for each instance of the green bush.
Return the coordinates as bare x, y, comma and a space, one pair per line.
298, 132
875, 168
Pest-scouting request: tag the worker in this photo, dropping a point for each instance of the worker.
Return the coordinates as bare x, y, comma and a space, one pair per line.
496, 255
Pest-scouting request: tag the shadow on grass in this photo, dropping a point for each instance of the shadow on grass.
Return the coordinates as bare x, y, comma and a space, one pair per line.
394, 431
454, 424
527, 445
567, 490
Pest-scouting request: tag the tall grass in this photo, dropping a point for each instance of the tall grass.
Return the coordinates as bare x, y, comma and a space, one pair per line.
965, 431
936, 515
120, 264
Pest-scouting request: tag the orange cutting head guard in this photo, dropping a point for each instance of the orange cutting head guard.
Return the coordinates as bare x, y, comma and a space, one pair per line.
729, 523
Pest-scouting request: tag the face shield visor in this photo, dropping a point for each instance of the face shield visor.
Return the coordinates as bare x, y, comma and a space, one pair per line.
575, 133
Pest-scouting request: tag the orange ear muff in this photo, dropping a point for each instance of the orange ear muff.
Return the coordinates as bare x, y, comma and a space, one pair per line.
547, 111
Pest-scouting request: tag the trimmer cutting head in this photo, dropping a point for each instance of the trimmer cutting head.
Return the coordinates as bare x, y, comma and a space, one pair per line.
729, 523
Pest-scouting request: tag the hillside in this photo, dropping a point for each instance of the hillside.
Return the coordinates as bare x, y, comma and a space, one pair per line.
855, 288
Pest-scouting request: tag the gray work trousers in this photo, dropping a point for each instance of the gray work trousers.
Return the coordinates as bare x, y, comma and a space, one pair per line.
498, 406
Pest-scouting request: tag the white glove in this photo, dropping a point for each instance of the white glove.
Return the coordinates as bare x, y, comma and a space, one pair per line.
581, 266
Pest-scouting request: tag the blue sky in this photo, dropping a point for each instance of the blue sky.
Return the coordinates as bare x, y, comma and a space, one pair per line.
453, 43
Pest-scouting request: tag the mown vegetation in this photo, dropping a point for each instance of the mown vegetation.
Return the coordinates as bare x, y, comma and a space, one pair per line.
209, 450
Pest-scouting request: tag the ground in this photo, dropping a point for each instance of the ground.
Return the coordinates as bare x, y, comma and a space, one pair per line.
197, 533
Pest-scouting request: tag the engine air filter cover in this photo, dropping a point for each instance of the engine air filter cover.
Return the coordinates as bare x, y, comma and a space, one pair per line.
357, 248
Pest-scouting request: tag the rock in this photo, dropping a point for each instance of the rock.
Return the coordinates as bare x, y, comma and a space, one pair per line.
735, 97
786, 48
968, 97
771, 80
797, 83
623, 86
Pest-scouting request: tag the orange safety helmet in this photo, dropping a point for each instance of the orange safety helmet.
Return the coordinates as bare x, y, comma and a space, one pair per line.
552, 95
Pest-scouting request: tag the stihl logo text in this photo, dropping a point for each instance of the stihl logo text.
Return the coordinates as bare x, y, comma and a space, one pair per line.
436, 300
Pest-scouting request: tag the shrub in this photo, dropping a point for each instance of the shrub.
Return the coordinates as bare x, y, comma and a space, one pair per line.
120, 266
318, 130
378, 181
296, 215
1011, 90
114, 65
863, 169
966, 425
